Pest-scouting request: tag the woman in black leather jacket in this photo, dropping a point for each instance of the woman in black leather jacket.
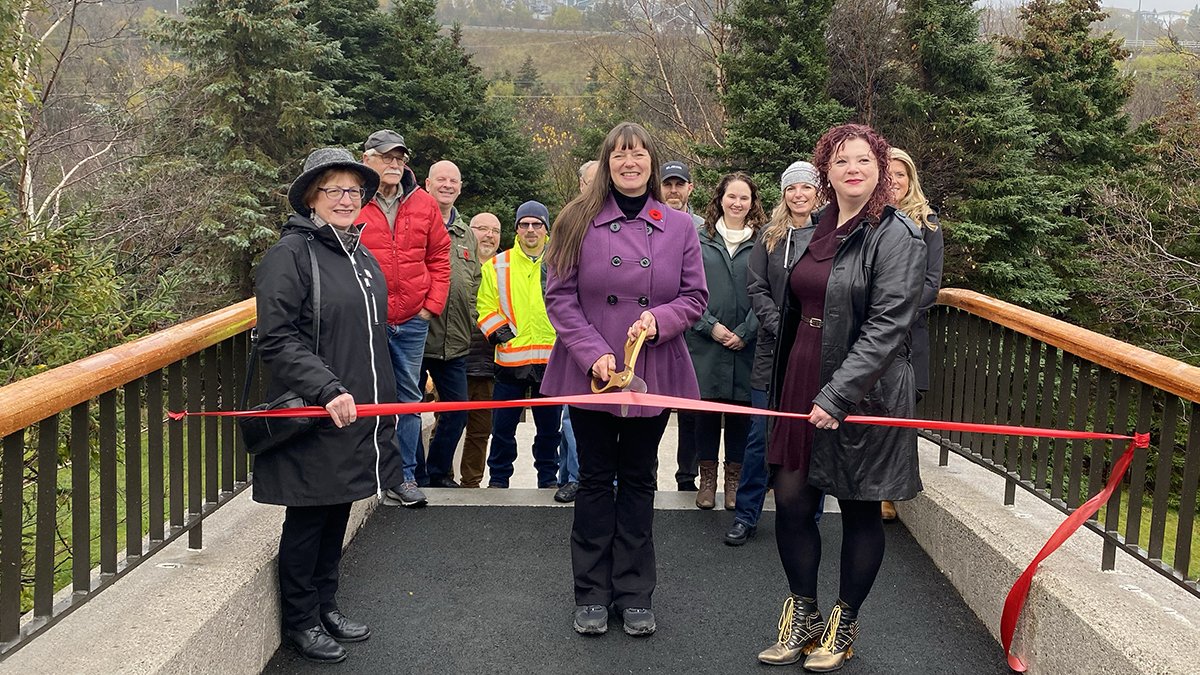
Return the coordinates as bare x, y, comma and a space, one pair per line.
843, 348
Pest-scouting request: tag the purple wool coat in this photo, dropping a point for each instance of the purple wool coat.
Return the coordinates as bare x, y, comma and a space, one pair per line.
651, 262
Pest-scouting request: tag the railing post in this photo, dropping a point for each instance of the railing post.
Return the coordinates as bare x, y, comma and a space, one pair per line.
81, 508
47, 517
10, 536
195, 476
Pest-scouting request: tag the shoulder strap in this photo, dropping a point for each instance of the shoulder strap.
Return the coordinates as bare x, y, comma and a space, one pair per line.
315, 298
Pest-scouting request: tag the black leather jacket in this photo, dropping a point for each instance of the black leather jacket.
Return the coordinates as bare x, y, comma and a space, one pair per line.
871, 301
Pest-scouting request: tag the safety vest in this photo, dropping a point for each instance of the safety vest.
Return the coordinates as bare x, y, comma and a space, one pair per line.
511, 293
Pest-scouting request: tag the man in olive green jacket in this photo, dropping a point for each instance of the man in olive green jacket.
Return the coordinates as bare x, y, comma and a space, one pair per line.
450, 333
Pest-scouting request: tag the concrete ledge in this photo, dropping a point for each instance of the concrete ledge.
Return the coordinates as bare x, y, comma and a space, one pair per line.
210, 611
1078, 619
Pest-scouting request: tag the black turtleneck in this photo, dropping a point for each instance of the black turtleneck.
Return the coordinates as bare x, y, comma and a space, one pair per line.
630, 206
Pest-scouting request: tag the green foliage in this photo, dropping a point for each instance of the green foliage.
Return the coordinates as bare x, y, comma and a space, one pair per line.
1076, 88
965, 120
399, 72
777, 71
63, 299
248, 110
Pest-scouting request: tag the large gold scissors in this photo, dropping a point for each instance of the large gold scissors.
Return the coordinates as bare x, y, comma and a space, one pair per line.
625, 380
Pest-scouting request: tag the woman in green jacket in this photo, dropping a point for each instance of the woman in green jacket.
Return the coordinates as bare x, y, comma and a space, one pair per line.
722, 341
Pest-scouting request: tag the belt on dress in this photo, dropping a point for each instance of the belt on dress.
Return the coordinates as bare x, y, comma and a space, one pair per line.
815, 323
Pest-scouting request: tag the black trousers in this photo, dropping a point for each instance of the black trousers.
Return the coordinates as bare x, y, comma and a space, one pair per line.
685, 456
612, 539
310, 551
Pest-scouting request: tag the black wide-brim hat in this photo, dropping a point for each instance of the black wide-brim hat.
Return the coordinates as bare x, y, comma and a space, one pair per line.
321, 160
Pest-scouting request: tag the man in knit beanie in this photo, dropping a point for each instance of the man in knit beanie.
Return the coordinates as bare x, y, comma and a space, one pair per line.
512, 314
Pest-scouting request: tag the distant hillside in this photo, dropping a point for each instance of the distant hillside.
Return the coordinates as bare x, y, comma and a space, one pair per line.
561, 57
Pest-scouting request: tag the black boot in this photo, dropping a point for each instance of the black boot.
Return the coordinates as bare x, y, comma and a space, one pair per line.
314, 644
343, 629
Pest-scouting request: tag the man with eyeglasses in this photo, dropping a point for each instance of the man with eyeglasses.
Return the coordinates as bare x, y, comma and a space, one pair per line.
450, 332
481, 368
404, 230
512, 314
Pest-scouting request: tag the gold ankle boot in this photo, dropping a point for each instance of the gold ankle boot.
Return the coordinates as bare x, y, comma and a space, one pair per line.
800, 627
836, 647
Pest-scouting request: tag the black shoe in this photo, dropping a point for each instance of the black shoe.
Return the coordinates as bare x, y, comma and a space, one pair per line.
566, 493
343, 629
315, 644
740, 533
689, 486
443, 482
591, 619
639, 622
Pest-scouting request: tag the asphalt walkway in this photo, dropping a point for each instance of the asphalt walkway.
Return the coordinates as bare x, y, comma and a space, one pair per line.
487, 589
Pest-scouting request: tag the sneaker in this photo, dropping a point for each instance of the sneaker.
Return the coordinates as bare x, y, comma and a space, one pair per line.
639, 622
566, 493
409, 496
591, 619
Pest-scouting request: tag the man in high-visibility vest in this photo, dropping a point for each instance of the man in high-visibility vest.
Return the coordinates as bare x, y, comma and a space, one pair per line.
512, 314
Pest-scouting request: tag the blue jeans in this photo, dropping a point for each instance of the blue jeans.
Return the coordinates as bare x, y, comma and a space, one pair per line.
504, 435
752, 486
568, 459
450, 379
406, 342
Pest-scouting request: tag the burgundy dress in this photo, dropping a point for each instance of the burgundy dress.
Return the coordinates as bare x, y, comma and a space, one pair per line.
791, 439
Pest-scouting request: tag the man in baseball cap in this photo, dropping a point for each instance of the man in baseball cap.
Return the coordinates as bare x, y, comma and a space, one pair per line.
677, 188
405, 231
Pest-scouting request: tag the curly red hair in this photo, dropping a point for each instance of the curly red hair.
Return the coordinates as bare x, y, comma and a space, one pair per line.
828, 146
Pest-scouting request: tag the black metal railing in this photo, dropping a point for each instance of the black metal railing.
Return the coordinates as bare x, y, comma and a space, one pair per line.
995, 363
95, 479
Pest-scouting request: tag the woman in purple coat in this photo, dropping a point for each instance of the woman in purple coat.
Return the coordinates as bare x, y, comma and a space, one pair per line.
620, 262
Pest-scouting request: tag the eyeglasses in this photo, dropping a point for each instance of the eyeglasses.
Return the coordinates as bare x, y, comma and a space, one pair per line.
531, 226
493, 230
393, 159
335, 194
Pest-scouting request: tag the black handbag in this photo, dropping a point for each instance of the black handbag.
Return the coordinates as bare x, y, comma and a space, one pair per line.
261, 434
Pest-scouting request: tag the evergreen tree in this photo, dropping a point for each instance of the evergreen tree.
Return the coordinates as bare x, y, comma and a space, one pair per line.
776, 102
401, 73
1076, 88
528, 82
964, 118
244, 114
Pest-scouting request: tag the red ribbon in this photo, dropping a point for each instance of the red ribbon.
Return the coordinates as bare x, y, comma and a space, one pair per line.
1013, 604
1020, 590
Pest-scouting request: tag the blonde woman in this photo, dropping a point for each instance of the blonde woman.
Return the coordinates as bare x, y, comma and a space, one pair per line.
909, 198
779, 246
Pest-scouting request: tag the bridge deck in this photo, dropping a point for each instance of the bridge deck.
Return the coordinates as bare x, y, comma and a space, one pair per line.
487, 589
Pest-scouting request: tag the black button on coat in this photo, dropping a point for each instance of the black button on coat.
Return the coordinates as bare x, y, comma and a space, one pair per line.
328, 465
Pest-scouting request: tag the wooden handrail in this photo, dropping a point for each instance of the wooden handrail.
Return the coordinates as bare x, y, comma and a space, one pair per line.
1142, 365
35, 398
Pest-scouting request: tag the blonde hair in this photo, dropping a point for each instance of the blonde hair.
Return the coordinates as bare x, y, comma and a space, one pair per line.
913, 202
781, 218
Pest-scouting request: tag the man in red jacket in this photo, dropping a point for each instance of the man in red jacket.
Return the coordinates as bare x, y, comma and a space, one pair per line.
403, 229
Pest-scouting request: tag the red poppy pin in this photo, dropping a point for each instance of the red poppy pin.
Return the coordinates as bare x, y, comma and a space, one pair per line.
656, 214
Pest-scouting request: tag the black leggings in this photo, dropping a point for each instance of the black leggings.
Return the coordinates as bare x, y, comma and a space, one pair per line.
799, 539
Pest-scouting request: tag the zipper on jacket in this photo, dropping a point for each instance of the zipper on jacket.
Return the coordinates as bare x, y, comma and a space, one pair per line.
368, 305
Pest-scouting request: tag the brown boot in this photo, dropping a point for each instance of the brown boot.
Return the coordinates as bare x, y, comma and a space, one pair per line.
733, 474
888, 511
706, 496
